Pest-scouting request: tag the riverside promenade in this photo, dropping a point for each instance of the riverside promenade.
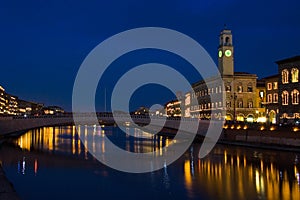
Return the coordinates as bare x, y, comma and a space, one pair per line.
262, 136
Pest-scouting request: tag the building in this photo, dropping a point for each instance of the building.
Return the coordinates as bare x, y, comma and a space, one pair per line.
238, 89
8, 103
12, 105
272, 98
56, 110
173, 108
30, 108
187, 104
260, 101
288, 89
2, 101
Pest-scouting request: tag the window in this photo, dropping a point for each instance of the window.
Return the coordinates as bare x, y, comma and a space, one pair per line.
261, 94
240, 103
295, 75
249, 87
285, 98
228, 104
240, 87
220, 89
220, 104
212, 90
228, 88
295, 97
269, 86
285, 76
275, 85
275, 98
269, 98
250, 104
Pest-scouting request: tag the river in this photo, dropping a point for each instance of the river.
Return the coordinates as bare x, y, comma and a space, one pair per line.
53, 163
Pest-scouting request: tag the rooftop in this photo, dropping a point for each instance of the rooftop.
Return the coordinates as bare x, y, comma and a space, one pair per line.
288, 60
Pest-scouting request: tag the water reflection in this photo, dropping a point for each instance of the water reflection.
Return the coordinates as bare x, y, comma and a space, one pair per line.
235, 173
226, 173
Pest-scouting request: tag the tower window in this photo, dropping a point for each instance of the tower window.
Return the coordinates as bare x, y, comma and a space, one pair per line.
227, 41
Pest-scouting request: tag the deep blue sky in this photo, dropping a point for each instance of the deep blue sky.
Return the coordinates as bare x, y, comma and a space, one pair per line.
44, 42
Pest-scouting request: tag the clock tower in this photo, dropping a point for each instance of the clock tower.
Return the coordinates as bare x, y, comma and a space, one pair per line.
225, 53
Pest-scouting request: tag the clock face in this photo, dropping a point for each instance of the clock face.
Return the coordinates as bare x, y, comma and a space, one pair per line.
220, 54
228, 53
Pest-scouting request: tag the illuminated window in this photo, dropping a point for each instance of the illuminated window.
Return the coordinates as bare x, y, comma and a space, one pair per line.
261, 94
295, 75
295, 97
285, 98
285, 76
220, 104
269, 86
275, 98
269, 99
275, 85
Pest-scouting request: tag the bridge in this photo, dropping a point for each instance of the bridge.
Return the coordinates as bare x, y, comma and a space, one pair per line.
14, 125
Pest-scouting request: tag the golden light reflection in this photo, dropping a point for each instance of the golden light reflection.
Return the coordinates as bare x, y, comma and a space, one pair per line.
240, 178
48, 139
187, 173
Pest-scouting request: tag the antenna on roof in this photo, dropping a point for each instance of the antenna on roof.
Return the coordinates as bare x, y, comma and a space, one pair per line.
225, 26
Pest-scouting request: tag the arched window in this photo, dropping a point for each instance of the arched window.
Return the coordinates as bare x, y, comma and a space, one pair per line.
295, 96
295, 75
285, 98
285, 76
250, 103
269, 98
275, 99
228, 104
228, 88
240, 103
227, 41
249, 87
240, 87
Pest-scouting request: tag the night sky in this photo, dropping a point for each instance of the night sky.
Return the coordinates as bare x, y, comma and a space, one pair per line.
43, 43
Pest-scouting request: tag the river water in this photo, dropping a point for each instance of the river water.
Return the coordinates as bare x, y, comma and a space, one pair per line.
52, 163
